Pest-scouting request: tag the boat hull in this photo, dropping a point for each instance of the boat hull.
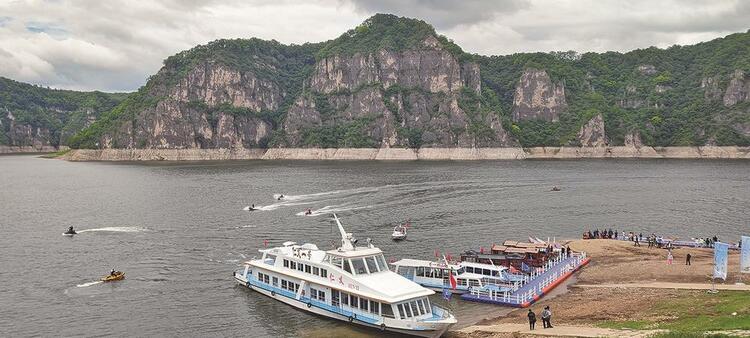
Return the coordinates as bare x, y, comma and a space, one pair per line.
437, 332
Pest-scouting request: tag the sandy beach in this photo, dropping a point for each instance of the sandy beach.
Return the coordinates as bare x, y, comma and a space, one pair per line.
606, 301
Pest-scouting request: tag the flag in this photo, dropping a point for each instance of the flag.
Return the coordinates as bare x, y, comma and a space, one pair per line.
513, 270
745, 254
265, 242
481, 250
720, 260
447, 294
452, 279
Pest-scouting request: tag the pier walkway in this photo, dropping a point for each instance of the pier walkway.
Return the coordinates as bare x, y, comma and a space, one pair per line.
538, 284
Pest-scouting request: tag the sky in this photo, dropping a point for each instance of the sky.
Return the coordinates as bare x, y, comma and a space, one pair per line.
115, 45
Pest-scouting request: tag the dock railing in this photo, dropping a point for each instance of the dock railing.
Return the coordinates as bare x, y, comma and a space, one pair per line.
534, 285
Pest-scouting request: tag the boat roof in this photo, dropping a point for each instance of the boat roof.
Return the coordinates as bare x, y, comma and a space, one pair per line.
423, 263
357, 252
484, 266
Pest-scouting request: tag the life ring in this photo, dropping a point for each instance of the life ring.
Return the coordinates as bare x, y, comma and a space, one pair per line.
309, 305
273, 293
382, 327
351, 319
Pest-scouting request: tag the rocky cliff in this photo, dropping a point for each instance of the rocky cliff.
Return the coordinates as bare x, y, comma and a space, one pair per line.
395, 83
34, 118
536, 97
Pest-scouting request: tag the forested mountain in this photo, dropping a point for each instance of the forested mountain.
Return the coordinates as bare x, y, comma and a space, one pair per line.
394, 82
37, 116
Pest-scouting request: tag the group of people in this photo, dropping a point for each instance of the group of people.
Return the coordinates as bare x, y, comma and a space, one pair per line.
546, 318
601, 234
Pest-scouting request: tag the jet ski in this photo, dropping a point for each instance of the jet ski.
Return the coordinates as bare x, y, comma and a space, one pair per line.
118, 275
280, 198
555, 189
308, 212
70, 232
251, 208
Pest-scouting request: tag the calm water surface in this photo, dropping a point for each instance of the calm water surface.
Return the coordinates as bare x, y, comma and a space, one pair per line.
178, 229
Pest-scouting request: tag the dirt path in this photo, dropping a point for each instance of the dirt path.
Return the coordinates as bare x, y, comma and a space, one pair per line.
664, 285
557, 331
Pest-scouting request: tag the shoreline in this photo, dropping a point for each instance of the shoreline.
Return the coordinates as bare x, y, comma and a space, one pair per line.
406, 154
13, 150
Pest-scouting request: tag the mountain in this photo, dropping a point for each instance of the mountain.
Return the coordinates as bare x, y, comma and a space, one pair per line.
394, 82
32, 116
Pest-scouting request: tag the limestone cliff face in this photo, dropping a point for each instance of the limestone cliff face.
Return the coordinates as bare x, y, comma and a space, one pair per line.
536, 97
200, 112
592, 133
24, 134
633, 139
711, 90
398, 93
738, 89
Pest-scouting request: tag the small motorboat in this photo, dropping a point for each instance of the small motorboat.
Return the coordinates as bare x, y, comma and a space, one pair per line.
399, 233
117, 275
555, 188
70, 232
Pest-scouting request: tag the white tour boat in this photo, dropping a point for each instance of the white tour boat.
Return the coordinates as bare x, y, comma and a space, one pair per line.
436, 275
349, 283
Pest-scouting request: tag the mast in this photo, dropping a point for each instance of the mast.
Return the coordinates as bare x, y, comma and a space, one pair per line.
346, 237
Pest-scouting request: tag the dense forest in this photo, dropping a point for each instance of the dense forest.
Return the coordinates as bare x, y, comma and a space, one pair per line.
59, 113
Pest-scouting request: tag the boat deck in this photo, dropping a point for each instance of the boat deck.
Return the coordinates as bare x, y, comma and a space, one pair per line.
536, 287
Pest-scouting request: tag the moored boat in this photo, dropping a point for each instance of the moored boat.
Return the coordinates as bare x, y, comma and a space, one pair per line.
349, 283
437, 275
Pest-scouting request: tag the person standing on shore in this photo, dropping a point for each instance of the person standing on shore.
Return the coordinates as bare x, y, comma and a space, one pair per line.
687, 259
547, 318
532, 319
669, 257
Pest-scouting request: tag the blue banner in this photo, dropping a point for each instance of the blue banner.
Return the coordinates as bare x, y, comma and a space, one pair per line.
745, 254
721, 251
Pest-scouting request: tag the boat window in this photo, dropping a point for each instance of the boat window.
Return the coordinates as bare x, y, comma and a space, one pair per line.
271, 257
347, 266
469, 269
293, 265
359, 266
460, 271
308, 268
322, 295
316, 271
353, 301
462, 281
374, 307
371, 264
324, 273
301, 267
363, 304
415, 308
345, 298
420, 271
487, 272
335, 297
283, 284
421, 306
337, 262
313, 294
407, 308
401, 312
386, 310
275, 282
286, 263
427, 304
381, 263
474, 282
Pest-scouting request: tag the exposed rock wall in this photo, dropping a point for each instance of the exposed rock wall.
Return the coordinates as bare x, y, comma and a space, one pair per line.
536, 97
401, 154
738, 89
592, 134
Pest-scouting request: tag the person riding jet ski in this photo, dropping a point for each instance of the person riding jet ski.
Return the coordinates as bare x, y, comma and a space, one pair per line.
70, 231
281, 197
308, 212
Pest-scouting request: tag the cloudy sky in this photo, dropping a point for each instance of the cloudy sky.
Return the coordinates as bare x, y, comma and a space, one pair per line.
114, 45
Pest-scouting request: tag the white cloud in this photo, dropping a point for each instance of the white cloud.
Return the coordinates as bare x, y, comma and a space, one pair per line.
116, 44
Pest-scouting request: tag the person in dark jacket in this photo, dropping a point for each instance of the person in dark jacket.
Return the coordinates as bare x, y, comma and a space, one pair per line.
687, 259
532, 319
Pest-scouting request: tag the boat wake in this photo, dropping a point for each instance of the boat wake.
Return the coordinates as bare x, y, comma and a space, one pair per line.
329, 210
113, 229
88, 284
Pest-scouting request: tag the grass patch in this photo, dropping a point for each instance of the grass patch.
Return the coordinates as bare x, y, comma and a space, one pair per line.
56, 154
694, 314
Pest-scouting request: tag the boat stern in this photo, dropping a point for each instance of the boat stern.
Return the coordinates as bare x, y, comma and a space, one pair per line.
439, 323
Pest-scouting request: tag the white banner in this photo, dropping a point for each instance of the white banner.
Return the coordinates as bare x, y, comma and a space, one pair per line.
745, 254
721, 251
